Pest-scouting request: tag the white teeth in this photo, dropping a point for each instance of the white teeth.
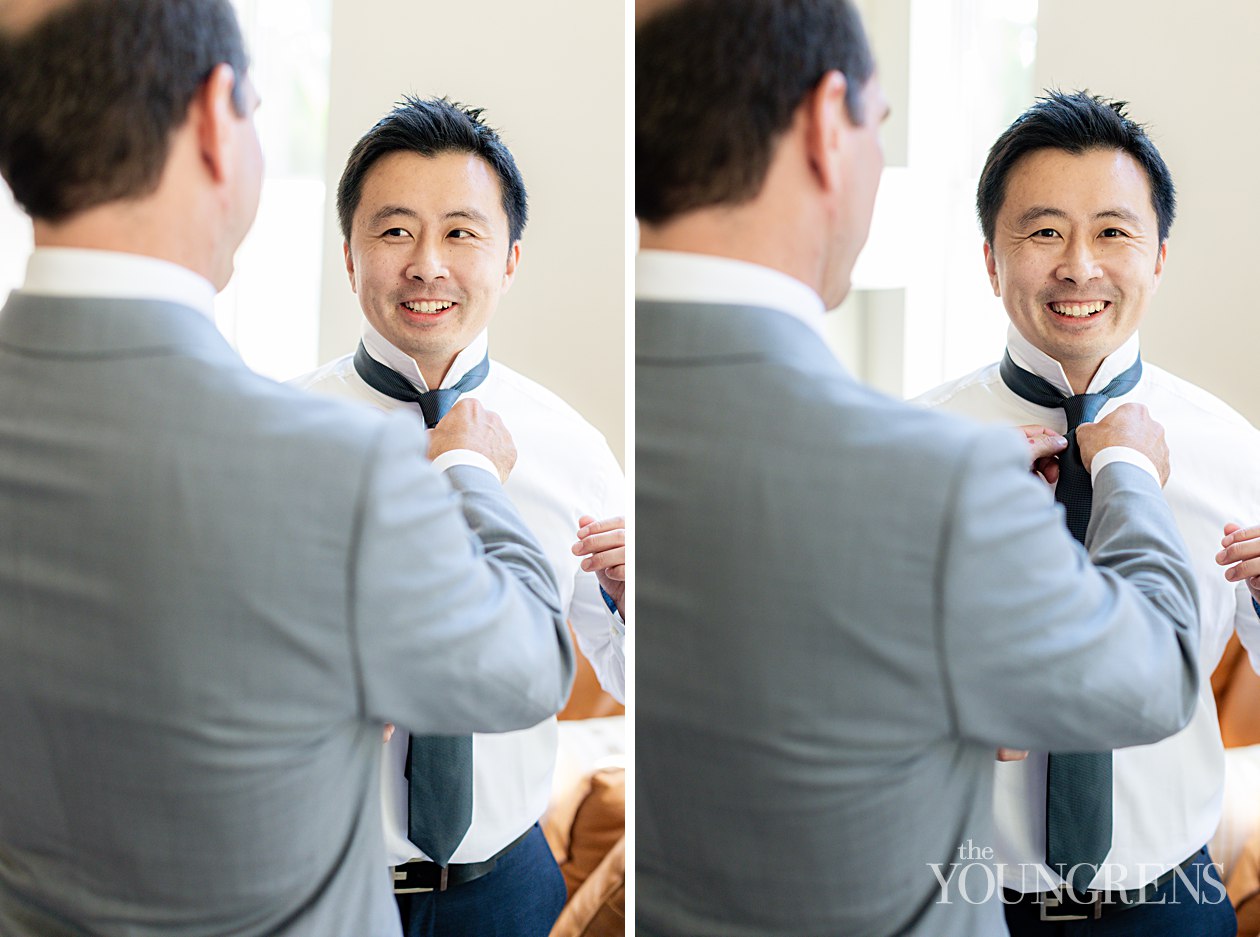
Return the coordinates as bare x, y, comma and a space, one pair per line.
429, 307
1078, 310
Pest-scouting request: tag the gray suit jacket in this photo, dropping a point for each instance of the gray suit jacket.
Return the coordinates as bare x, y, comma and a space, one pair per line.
845, 605
213, 591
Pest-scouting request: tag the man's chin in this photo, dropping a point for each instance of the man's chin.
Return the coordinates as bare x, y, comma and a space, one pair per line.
836, 293
223, 277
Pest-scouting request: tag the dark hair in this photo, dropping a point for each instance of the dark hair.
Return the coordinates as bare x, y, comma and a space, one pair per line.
1073, 122
431, 127
717, 82
90, 94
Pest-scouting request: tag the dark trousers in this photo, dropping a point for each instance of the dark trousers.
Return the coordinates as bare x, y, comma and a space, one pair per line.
522, 897
1172, 911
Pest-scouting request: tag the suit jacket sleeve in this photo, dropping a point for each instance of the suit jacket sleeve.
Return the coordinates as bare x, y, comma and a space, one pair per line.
456, 630
1042, 647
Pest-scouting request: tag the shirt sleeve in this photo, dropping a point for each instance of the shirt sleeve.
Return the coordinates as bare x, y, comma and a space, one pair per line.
455, 457
601, 635
1125, 454
1247, 623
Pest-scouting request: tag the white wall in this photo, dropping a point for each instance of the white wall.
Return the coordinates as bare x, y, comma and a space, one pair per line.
551, 78
1190, 74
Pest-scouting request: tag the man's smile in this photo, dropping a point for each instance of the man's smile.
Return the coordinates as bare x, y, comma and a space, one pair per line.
1079, 309
428, 307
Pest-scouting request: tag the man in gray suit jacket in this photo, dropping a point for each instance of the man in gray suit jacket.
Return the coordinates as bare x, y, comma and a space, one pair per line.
216, 590
846, 605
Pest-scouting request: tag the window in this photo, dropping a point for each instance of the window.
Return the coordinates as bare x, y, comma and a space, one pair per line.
270, 310
956, 72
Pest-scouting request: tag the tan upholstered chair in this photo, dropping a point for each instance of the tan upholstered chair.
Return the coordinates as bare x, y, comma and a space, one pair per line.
586, 827
1236, 687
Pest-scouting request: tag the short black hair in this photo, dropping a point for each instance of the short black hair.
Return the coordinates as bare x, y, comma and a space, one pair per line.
1074, 122
90, 94
430, 127
716, 84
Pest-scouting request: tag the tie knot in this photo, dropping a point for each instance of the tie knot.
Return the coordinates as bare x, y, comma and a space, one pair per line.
1083, 408
435, 404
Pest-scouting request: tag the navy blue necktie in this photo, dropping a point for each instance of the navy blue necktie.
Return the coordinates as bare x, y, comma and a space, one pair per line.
1078, 784
438, 767
434, 404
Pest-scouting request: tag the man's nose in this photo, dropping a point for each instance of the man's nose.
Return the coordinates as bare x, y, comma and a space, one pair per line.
1079, 263
427, 262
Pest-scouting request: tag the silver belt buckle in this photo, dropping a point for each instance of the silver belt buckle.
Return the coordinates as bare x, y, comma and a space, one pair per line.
401, 876
1054, 899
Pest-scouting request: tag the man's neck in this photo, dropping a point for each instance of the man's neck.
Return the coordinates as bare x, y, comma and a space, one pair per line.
150, 227
1080, 374
779, 239
434, 373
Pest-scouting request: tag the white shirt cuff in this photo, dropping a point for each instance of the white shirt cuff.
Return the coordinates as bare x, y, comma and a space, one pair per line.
1122, 454
617, 621
454, 457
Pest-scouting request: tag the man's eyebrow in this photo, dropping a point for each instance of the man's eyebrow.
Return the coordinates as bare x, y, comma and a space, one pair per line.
1045, 211
1038, 211
470, 213
389, 211
386, 212
1120, 214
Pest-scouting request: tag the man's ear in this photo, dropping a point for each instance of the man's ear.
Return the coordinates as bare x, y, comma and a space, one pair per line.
345, 249
826, 123
1159, 261
216, 119
509, 272
990, 264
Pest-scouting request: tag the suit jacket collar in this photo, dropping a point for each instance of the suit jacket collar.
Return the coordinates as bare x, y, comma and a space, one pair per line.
75, 272
677, 276
100, 328
711, 333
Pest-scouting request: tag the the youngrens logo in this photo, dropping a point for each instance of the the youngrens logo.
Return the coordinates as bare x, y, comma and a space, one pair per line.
975, 878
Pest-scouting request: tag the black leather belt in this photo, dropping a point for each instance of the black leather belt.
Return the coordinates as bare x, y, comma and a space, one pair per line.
420, 875
1064, 904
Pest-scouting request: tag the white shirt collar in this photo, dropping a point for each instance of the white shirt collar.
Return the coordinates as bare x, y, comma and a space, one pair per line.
380, 348
674, 276
1031, 358
80, 273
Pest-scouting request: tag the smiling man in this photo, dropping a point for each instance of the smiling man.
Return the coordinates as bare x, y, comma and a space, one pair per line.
432, 207
1076, 205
